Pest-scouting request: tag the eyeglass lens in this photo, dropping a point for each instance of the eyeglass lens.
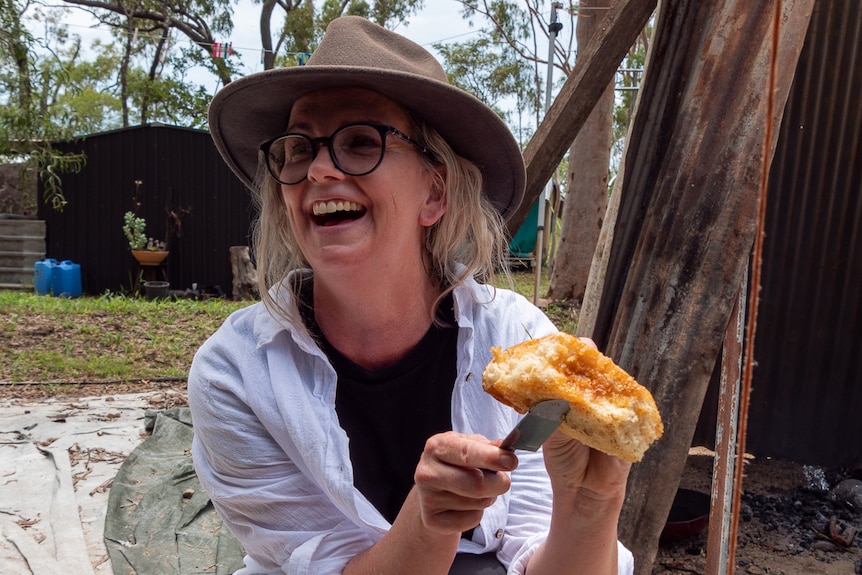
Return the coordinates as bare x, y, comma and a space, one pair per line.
355, 150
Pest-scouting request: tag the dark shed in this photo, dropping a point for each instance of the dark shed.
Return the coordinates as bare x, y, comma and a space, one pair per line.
178, 169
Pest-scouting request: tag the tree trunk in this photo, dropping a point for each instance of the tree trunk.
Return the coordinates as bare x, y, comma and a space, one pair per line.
124, 72
587, 178
687, 220
154, 73
20, 53
594, 69
245, 284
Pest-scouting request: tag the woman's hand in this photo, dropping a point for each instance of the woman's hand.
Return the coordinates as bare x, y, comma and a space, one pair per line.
457, 479
576, 469
589, 488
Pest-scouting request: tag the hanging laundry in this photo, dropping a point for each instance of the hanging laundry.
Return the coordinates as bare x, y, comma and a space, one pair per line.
222, 50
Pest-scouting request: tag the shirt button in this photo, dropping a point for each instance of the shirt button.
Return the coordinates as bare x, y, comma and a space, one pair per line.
469, 376
499, 534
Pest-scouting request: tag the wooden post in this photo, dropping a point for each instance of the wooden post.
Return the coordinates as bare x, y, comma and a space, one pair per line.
727, 456
245, 284
686, 222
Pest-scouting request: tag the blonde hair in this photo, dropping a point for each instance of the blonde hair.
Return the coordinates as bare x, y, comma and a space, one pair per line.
471, 232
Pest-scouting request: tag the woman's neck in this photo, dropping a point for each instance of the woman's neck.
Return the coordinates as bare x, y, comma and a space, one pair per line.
375, 321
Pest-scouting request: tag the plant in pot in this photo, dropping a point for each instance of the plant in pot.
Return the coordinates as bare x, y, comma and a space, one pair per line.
148, 251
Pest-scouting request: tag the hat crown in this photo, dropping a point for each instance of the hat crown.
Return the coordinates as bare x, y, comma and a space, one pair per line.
352, 41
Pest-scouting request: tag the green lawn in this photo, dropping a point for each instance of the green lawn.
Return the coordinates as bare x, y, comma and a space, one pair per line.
119, 338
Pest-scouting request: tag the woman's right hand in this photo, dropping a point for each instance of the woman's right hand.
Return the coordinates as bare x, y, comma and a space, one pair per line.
457, 478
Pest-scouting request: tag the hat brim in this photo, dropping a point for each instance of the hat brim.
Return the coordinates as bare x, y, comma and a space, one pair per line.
255, 108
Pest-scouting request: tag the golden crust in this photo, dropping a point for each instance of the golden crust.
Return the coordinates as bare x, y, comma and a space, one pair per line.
610, 411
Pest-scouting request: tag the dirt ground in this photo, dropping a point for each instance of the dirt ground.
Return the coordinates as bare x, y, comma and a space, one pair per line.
790, 523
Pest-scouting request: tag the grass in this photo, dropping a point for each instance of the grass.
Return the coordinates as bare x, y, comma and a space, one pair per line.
106, 338
118, 338
562, 314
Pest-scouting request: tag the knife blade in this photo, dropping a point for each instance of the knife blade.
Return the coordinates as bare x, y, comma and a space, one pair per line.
537, 426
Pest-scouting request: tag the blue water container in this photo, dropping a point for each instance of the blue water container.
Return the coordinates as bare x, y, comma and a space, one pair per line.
44, 272
67, 279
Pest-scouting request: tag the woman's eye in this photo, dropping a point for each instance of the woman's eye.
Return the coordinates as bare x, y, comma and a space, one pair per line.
360, 141
296, 151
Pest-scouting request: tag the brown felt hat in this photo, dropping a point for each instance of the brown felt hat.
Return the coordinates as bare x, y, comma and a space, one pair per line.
358, 53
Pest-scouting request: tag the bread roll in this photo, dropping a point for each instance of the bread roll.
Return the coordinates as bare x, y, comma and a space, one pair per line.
610, 411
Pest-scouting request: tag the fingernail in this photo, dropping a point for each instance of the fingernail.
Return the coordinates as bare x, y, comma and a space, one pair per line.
508, 460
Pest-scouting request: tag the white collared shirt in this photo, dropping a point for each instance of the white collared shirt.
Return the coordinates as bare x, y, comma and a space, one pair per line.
270, 453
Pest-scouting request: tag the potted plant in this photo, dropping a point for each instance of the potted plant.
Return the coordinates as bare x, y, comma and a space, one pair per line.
148, 251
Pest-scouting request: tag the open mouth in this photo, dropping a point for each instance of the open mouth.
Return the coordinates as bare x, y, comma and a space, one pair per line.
332, 212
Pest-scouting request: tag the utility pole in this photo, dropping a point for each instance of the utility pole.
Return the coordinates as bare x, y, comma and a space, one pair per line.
553, 28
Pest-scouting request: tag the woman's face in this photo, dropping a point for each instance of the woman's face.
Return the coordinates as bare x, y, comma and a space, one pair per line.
341, 221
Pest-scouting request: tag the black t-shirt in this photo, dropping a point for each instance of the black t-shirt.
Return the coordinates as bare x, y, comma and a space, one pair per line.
389, 413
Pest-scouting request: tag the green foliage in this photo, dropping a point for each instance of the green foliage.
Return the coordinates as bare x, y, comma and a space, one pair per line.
505, 60
51, 164
300, 33
385, 12
29, 122
134, 228
494, 76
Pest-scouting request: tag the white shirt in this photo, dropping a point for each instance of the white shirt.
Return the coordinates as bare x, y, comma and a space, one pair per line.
270, 453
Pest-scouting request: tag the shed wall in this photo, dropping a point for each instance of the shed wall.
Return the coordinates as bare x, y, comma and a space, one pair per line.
179, 169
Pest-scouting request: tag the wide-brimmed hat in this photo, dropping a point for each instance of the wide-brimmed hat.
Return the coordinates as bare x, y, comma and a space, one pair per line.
358, 53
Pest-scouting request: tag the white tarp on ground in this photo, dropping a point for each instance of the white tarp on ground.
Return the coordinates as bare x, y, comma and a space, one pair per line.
58, 458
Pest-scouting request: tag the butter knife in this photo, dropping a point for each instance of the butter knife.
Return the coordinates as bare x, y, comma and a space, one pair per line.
537, 426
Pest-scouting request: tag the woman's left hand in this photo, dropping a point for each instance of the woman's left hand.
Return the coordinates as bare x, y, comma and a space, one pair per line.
575, 468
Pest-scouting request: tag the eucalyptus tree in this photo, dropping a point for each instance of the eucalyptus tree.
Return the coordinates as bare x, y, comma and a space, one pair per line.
29, 87
522, 29
200, 21
503, 81
147, 30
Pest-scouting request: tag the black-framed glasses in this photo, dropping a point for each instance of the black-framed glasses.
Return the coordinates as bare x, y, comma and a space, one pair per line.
355, 149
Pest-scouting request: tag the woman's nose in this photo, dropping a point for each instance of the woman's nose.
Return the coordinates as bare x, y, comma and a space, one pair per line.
322, 166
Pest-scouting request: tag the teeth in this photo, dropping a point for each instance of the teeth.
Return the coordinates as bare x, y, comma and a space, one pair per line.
332, 207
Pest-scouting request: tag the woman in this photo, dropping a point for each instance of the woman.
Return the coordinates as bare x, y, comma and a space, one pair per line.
341, 425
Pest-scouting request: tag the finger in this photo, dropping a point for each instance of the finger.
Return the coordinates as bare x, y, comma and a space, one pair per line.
446, 505
471, 451
432, 474
447, 500
589, 342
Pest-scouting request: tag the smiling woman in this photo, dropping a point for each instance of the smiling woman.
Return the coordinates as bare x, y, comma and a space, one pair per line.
340, 424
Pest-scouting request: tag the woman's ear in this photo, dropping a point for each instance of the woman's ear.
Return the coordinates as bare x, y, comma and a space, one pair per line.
435, 202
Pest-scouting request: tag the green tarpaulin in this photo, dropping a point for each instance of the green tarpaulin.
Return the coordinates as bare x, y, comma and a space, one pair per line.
159, 520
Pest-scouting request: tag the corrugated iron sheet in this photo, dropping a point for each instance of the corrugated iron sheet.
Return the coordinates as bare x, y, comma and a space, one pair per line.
806, 403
